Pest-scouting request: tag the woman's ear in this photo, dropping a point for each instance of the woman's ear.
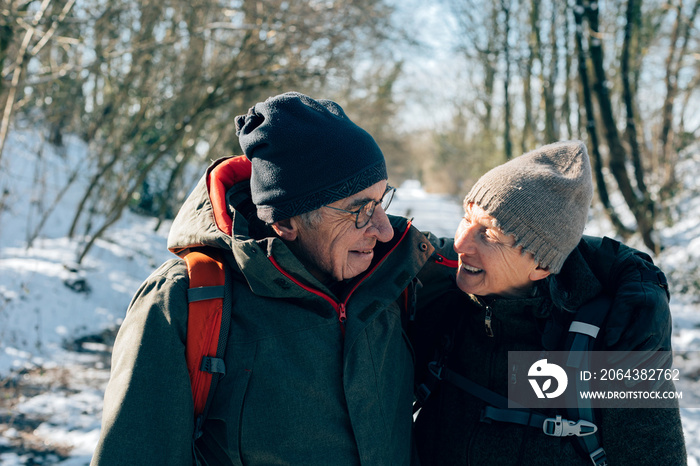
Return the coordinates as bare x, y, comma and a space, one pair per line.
286, 229
538, 273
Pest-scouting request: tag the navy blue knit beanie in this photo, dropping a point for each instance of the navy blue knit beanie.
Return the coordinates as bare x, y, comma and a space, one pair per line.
305, 153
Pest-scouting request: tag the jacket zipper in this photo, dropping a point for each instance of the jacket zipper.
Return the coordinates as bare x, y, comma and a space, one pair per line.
342, 316
490, 362
487, 322
340, 308
488, 315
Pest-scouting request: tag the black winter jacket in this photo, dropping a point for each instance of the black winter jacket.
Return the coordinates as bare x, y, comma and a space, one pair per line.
449, 430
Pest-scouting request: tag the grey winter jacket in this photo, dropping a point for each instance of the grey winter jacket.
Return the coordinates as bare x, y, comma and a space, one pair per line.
298, 388
449, 429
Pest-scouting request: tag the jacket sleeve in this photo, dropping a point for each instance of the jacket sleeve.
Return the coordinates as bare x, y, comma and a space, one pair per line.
437, 276
640, 319
148, 411
435, 299
644, 436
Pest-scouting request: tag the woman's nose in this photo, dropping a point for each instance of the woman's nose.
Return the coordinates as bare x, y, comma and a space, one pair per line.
464, 238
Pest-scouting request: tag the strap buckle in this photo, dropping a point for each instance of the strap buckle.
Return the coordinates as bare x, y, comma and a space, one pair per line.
435, 369
558, 427
599, 457
213, 365
422, 394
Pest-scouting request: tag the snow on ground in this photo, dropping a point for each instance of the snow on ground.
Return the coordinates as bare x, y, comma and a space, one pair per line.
681, 262
54, 340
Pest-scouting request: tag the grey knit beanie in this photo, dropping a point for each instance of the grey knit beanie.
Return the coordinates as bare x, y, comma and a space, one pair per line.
305, 154
541, 198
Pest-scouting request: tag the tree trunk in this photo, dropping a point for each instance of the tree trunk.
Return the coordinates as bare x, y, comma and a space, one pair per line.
669, 180
647, 206
6, 35
631, 27
507, 143
566, 104
94, 183
488, 58
526, 141
528, 137
617, 153
551, 126
20, 65
667, 154
593, 145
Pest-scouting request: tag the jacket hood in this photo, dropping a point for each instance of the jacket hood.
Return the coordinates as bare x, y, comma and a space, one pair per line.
203, 220
219, 213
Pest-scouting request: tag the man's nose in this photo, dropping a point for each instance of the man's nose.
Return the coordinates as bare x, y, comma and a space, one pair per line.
379, 225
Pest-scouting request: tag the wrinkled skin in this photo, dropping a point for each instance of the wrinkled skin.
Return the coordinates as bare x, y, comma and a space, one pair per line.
489, 263
333, 249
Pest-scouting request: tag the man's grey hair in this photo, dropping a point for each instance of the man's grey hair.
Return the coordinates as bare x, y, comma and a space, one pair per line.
312, 218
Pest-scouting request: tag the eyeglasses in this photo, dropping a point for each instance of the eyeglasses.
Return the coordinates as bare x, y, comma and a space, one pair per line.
364, 214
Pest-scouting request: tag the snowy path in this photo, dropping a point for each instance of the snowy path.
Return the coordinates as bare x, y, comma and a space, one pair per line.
51, 414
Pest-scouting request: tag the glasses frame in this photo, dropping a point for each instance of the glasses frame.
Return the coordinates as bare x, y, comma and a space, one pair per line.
370, 211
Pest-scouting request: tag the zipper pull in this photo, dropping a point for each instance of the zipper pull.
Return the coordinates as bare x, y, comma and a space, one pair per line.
342, 316
487, 322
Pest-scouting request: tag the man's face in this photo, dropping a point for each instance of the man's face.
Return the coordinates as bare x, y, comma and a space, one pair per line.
489, 263
334, 248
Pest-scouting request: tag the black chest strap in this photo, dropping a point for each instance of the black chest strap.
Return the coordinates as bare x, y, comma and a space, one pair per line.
583, 331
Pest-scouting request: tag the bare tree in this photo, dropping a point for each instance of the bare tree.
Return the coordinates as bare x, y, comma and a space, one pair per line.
677, 52
33, 41
591, 127
551, 126
632, 24
480, 43
529, 138
567, 108
153, 87
617, 153
507, 142
215, 69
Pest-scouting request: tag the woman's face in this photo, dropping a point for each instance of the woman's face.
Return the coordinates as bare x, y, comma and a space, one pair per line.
489, 261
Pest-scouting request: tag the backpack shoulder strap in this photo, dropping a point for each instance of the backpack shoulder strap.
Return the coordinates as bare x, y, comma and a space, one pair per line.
209, 317
583, 331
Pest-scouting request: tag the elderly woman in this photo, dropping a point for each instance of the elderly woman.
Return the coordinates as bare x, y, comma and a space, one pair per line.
523, 271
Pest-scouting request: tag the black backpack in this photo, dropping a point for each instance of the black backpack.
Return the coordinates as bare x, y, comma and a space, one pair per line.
579, 423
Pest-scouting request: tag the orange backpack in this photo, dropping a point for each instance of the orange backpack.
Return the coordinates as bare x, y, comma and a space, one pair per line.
208, 322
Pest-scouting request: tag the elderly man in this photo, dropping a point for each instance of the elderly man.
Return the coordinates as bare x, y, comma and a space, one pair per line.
318, 369
524, 274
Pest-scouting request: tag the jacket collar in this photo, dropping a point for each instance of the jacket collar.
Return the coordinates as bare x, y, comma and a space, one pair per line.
568, 290
574, 285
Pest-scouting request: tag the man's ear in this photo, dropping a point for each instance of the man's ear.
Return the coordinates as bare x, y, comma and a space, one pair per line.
286, 229
538, 273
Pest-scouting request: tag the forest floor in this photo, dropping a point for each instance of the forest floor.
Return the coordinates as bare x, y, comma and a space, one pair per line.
44, 409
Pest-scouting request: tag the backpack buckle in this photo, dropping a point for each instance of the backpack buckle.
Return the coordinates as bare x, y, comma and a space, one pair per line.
422, 394
558, 427
435, 369
599, 457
